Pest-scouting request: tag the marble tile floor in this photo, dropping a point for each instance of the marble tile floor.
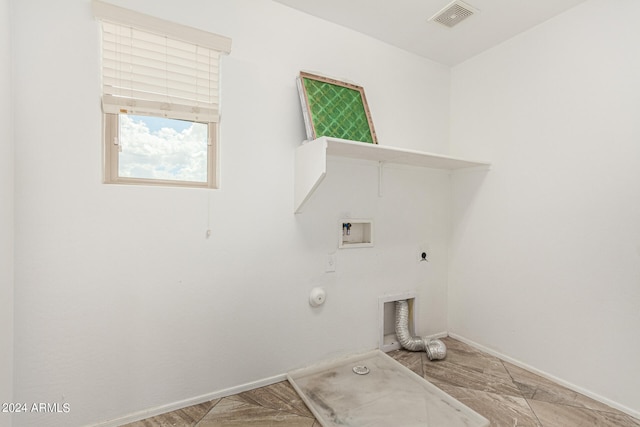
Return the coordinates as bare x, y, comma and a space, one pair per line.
503, 393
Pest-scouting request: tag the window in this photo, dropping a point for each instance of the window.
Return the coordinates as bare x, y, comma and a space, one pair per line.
160, 99
157, 150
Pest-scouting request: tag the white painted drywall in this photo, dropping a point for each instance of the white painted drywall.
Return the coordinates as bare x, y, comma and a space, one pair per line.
545, 256
122, 304
6, 215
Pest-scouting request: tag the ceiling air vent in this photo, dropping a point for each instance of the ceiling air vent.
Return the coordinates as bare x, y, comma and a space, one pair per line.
453, 13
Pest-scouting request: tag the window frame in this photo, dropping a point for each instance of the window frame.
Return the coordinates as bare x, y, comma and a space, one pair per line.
112, 151
184, 98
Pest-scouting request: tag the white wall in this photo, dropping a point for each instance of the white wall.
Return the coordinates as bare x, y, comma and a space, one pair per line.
122, 304
6, 214
545, 256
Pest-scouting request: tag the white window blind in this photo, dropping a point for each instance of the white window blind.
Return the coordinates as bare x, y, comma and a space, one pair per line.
170, 73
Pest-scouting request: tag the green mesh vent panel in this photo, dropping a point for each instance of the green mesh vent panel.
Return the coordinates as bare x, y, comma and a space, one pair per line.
338, 111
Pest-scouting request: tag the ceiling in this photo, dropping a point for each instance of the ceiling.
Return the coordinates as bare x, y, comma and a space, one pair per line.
405, 23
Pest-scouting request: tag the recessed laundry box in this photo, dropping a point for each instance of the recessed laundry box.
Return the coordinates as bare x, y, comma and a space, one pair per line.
355, 233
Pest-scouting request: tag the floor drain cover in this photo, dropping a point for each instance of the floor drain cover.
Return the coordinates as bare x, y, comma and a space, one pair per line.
361, 370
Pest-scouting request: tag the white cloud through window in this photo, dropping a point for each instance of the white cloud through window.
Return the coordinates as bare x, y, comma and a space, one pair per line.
158, 148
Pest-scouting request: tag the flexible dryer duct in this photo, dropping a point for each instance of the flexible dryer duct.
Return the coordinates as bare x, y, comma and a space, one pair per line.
435, 348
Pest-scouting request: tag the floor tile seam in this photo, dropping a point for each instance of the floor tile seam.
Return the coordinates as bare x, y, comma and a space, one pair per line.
186, 417
472, 389
285, 403
467, 368
482, 387
236, 398
513, 381
293, 413
613, 411
210, 409
537, 419
423, 357
515, 384
550, 386
490, 390
595, 411
187, 421
533, 411
246, 398
461, 366
493, 395
578, 405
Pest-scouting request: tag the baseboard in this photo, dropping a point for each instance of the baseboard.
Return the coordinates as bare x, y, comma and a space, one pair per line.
438, 335
548, 376
141, 415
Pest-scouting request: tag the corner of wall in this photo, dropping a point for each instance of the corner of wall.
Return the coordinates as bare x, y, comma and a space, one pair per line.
6, 213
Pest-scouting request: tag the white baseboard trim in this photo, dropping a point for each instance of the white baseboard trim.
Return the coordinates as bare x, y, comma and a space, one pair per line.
548, 376
141, 415
438, 335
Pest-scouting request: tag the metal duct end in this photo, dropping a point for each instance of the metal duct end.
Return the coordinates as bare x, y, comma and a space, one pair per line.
436, 349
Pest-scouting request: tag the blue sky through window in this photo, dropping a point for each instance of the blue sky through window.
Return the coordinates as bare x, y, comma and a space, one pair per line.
154, 124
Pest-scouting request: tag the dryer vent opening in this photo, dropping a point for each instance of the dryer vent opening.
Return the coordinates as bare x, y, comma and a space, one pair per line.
435, 348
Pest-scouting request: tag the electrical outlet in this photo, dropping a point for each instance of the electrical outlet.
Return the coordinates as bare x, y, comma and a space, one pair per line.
331, 263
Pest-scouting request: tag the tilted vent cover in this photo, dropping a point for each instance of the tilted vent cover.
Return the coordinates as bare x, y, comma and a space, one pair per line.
453, 13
